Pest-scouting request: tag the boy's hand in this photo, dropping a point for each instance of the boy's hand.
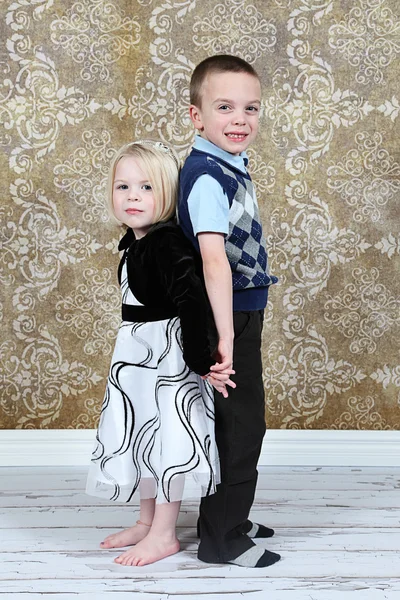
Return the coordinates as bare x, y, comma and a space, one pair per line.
223, 356
223, 376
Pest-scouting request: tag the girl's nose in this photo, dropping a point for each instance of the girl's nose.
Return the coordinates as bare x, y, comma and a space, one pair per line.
134, 197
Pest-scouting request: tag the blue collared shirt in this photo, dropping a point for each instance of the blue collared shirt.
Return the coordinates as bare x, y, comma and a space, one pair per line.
213, 215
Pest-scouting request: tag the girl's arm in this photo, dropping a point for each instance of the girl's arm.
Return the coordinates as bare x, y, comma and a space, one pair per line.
184, 288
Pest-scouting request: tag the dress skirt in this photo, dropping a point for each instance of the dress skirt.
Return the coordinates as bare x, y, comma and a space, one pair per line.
156, 429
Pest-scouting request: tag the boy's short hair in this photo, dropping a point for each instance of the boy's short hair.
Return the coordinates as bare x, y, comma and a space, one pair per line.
161, 165
220, 63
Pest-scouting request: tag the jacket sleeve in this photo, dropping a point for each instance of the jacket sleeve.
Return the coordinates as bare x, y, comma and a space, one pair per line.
184, 288
123, 245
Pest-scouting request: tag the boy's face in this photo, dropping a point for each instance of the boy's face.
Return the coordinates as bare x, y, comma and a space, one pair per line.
230, 110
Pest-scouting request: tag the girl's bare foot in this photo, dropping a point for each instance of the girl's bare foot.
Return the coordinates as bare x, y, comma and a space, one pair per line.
149, 550
128, 537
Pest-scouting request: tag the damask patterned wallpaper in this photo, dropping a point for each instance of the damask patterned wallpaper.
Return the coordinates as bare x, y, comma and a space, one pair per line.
79, 78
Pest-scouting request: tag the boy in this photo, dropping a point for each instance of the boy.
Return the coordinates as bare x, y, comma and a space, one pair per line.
218, 212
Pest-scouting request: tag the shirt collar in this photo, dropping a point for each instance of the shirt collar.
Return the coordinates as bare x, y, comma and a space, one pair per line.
239, 162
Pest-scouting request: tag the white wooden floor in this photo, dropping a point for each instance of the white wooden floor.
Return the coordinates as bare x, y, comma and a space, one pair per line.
337, 529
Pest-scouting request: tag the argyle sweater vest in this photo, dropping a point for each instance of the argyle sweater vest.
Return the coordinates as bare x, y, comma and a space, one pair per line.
245, 244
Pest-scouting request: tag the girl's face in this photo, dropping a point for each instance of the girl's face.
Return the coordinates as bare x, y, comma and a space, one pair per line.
133, 198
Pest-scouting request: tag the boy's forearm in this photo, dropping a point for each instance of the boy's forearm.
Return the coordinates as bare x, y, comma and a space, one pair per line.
218, 281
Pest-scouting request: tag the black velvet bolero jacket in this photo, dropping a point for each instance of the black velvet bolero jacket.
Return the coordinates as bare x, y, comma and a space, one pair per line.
163, 275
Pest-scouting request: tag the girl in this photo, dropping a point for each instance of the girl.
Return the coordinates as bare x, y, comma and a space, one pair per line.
156, 428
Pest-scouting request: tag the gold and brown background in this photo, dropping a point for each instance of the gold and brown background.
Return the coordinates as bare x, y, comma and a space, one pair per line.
79, 78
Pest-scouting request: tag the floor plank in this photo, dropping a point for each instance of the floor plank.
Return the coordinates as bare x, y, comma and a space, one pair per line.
123, 516
243, 586
351, 498
283, 478
232, 595
306, 539
82, 565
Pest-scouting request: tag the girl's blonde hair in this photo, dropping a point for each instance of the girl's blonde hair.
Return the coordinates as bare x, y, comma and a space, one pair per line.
161, 165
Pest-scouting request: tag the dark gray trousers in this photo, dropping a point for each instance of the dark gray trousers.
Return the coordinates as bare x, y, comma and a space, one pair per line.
239, 429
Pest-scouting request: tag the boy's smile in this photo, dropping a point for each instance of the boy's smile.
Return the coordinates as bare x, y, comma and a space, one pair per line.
229, 112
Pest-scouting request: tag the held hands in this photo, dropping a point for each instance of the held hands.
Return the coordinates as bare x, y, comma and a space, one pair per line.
220, 380
219, 375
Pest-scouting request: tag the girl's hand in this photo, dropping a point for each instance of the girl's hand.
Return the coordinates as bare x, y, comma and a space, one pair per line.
219, 384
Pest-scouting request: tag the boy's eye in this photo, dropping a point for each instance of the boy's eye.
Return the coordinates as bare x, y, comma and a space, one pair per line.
252, 108
224, 107
122, 186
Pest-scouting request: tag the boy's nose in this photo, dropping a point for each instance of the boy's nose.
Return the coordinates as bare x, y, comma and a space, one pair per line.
239, 119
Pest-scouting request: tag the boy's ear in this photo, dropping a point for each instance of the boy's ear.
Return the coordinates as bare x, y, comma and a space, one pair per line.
195, 116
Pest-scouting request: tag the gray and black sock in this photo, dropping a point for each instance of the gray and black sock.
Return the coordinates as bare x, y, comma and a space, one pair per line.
256, 557
255, 530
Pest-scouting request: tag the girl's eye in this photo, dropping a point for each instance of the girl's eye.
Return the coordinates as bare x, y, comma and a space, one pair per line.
122, 186
252, 108
147, 187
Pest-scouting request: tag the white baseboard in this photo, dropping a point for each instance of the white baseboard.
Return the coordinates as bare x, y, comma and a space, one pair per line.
329, 448
282, 447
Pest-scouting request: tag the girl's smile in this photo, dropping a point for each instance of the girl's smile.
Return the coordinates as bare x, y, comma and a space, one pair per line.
133, 211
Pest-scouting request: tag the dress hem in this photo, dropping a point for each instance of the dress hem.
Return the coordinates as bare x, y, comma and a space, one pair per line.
192, 486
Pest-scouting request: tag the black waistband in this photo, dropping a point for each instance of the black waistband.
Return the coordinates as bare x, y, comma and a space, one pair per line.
142, 314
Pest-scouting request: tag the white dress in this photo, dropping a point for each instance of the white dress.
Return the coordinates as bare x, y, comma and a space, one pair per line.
156, 430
